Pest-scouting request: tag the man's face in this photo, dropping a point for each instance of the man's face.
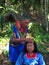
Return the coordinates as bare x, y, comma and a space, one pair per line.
25, 23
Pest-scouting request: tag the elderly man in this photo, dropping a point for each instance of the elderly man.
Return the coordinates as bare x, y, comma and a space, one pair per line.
17, 43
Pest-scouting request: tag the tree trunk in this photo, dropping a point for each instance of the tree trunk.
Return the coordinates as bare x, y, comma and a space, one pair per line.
46, 21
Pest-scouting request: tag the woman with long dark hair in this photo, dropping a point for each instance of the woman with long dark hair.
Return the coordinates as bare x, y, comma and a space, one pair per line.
30, 56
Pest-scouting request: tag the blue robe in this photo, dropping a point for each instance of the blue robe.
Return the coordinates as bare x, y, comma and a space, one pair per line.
24, 60
15, 51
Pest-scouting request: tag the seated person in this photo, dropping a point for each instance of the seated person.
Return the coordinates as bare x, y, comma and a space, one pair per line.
30, 56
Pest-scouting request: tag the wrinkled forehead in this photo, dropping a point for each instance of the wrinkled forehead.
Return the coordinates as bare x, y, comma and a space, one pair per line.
25, 21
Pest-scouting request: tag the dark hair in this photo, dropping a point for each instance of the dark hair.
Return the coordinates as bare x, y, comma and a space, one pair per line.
35, 47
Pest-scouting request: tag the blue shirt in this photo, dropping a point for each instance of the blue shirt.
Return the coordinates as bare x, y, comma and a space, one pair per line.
24, 60
15, 51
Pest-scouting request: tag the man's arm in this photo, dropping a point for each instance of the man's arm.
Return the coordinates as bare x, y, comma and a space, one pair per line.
21, 39
17, 39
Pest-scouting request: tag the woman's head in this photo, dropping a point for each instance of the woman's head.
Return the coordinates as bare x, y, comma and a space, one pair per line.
31, 47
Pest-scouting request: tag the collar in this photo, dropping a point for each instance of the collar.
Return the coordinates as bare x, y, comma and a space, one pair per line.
31, 56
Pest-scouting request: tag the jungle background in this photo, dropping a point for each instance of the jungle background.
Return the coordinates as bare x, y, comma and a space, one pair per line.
37, 11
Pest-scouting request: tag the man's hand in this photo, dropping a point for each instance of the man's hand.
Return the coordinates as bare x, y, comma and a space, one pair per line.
29, 40
17, 39
22, 39
13, 39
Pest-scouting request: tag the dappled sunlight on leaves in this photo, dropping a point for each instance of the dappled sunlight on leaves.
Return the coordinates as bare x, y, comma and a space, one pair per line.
4, 45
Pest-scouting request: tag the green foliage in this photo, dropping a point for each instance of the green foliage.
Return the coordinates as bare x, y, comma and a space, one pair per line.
27, 3
7, 30
39, 33
48, 6
38, 4
42, 47
5, 53
39, 36
14, 1
2, 2
19, 4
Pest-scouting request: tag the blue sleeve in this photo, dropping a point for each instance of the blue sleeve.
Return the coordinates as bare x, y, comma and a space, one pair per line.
41, 60
19, 60
14, 29
27, 30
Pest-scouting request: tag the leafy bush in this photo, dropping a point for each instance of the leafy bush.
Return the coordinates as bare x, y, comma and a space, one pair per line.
38, 33
39, 36
5, 53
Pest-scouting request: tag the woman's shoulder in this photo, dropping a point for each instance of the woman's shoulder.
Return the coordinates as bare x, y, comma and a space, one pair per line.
39, 54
